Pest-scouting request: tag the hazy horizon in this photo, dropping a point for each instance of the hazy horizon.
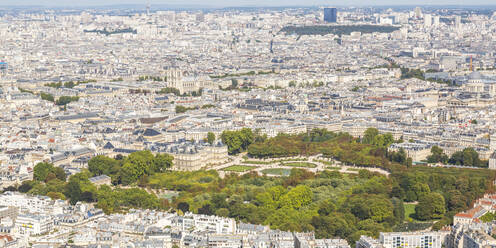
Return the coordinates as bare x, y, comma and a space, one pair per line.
242, 3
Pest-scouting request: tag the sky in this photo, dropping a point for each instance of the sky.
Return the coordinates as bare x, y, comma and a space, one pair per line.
248, 3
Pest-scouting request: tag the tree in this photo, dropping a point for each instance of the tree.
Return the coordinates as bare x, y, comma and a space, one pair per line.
80, 188
409, 162
223, 212
388, 139
142, 161
398, 209
102, 165
430, 206
238, 141
73, 192
332, 226
369, 135
183, 206
46, 172
467, 157
399, 156
210, 137
326, 208
162, 162
26, 186
169, 90
47, 97
64, 100
181, 109
456, 158
56, 195
297, 197
369, 206
129, 173
41, 171
437, 155
206, 209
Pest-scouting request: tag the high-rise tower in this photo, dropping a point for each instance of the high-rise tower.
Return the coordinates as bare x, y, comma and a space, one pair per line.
330, 15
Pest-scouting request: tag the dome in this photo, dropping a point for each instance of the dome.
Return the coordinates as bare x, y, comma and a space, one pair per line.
475, 76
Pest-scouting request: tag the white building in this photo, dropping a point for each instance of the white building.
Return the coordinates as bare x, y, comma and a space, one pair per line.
412, 239
427, 20
32, 204
477, 239
212, 224
29, 224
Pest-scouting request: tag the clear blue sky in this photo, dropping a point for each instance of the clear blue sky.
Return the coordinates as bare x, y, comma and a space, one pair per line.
223, 3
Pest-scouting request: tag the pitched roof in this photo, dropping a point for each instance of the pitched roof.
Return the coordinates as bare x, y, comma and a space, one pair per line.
151, 132
108, 146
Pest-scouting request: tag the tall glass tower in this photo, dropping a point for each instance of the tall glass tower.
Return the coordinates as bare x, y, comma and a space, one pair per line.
330, 15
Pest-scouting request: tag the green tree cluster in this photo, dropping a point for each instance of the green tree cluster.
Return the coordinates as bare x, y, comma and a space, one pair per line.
238, 141
337, 29
50, 181
131, 168
430, 206
182, 109
47, 97
210, 137
44, 172
437, 156
412, 73
116, 200
328, 203
467, 157
152, 78
64, 100
69, 84
169, 90
372, 137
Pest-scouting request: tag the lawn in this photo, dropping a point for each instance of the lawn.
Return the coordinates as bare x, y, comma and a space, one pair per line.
473, 173
301, 164
333, 168
273, 161
239, 168
409, 211
257, 162
168, 194
277, 171
323, 161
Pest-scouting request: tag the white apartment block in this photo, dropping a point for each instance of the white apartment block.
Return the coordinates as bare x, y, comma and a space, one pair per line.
32, 204
28, 224
212, 224
412, 239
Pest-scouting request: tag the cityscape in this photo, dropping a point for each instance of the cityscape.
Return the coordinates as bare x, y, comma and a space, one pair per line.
261, 126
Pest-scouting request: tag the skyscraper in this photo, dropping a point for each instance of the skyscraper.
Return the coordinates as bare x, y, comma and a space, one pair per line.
458, 21
427, 20
330, 14
435, 21
418, 12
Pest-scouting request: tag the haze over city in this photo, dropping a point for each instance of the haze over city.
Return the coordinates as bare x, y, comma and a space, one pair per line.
247, 124
226, 3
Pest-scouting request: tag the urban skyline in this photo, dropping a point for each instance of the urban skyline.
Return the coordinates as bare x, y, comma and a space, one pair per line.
249, 3
288, 127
